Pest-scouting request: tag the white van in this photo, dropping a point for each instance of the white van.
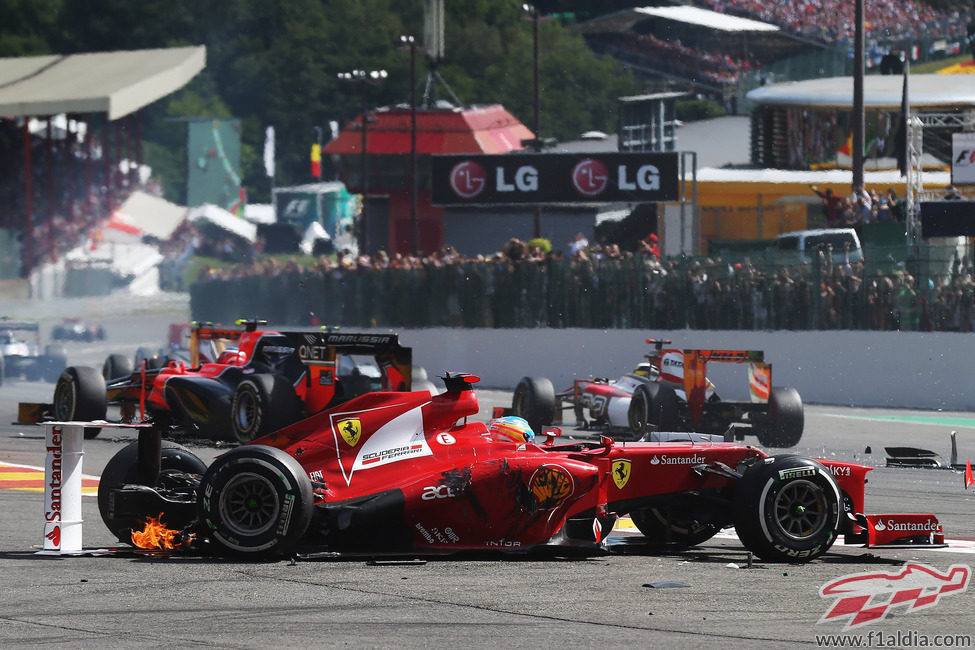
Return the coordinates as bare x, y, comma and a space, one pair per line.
801, 246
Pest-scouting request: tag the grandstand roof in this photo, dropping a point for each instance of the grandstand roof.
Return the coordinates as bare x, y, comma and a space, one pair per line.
116, 83
625, 19
930, 91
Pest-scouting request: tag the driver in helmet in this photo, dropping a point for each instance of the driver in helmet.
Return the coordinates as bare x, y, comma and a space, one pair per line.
511, 428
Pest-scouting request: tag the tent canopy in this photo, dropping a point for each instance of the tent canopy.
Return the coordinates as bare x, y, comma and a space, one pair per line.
151, 215
115, 83
224, 220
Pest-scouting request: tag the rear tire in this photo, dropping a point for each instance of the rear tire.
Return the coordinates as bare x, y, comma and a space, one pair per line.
653, 405
123, 468
79, 395
534, 400
670, 530
261, 404
787, 509
785, 420
255, 500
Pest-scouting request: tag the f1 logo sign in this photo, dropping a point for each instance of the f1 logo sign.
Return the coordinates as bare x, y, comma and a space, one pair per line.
467, 179
590, 177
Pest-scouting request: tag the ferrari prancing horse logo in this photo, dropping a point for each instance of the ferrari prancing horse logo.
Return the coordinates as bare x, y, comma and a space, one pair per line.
621, 472
351, 430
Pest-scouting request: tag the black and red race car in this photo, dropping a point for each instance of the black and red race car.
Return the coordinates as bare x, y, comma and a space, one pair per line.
408, 472
262, 380
670, 391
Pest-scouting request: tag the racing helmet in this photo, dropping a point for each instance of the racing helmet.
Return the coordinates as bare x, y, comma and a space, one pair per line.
511, 427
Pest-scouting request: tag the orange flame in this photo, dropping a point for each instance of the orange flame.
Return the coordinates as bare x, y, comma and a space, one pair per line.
155, 536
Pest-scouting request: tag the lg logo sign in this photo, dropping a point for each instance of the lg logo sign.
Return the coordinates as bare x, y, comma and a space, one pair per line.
555, 178
468, 179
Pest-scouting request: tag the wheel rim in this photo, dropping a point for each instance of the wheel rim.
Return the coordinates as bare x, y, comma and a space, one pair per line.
249, 505
64, 400
246, 413
638, 413
518, 402
801, 510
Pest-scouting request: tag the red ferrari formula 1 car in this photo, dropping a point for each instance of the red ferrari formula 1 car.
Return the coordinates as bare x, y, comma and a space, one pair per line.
670, 391
396, 473
265, 381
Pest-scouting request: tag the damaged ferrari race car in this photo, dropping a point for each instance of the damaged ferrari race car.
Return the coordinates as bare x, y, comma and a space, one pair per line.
670, 391
391, 473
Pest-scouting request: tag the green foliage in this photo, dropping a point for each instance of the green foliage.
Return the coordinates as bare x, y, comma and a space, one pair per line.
698, 109
274, 62
543, 244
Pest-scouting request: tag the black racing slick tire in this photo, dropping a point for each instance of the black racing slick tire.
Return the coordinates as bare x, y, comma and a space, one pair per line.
79, 395
261, 404
653, 405
534, 400
785, 419
672, 530
117, 366
179, 469
787, 509
255, 501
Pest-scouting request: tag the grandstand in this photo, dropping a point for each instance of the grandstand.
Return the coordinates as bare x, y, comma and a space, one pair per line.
724, 48
58, 186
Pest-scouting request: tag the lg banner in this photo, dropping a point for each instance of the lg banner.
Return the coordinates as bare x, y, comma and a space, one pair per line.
555, 178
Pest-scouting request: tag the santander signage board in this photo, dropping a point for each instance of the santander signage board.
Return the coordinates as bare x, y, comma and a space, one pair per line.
534, 179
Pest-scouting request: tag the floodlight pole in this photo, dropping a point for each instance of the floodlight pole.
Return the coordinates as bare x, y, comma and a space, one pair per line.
858, 117
410, 42
536, 126
364, 78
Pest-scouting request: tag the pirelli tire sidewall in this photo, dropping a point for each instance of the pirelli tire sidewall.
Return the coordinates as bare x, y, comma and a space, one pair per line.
788, 509
255, 501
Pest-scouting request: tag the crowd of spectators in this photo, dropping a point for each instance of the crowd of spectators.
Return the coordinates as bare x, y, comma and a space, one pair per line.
69, 194
673, 57
597, 286
833, 21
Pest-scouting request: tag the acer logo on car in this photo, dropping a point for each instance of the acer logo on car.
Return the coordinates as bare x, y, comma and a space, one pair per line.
432, 492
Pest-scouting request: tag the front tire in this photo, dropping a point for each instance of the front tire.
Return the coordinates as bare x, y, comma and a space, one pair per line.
79, 395
123, 469
261, 404
785, 420
255, 500
534, 400
787, 509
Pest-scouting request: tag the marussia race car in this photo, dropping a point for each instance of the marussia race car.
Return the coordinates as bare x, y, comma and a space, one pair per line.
670, 392
406, 472
266, 381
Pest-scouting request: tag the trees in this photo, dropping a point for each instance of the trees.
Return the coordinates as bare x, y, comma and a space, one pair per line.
274, 62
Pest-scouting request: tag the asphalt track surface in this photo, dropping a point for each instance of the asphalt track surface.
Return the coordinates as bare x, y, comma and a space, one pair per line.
134, 601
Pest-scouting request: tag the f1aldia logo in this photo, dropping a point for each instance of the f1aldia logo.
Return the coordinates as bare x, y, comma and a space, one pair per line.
864, 598
467, 179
